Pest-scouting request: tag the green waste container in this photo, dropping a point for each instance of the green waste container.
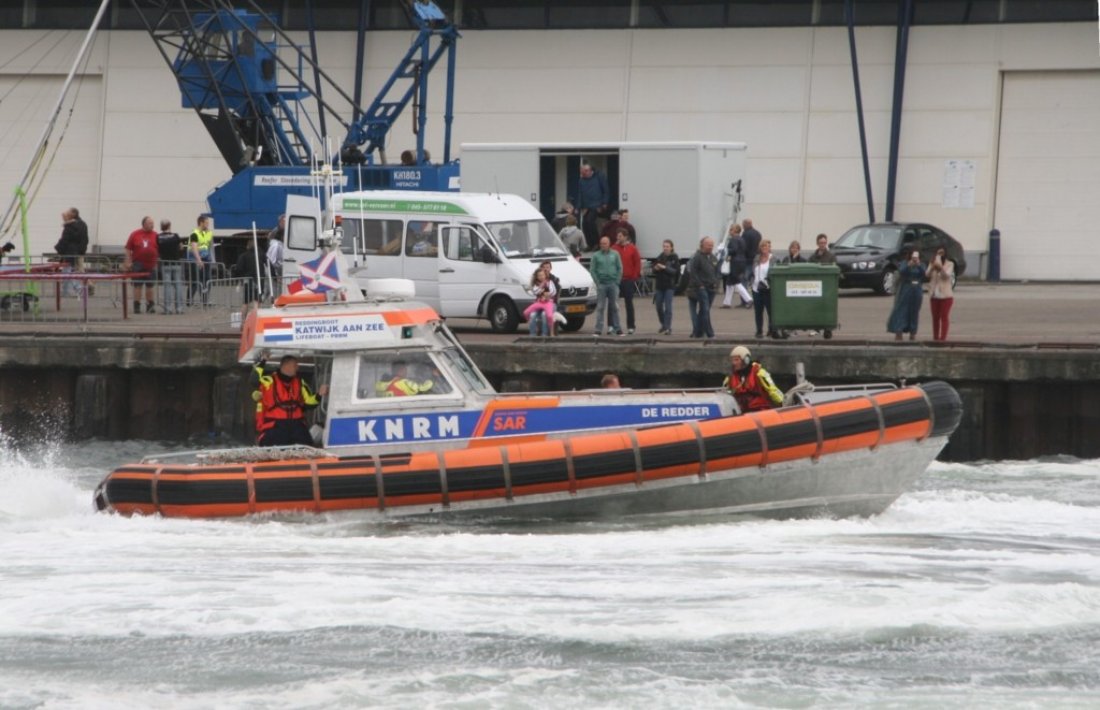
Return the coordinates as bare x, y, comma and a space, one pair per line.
804, 297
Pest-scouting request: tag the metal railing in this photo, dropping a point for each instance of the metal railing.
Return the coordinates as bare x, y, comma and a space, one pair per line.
98, 293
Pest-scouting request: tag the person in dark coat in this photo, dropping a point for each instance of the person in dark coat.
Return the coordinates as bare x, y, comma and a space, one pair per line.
245, 268
593, 197
666, 276
703, 283
72, 245
905, 315
736, 255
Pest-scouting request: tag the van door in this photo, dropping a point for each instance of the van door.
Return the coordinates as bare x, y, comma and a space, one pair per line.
421, 259
468, 269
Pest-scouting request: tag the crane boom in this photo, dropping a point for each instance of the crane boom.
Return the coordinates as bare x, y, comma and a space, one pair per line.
246, 79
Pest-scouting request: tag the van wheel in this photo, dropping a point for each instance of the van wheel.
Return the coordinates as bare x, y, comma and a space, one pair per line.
573, 324
502, 315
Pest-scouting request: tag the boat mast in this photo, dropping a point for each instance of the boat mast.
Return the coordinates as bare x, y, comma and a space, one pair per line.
40, 148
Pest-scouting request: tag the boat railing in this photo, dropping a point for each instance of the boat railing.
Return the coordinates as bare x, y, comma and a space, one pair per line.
250, 454
608, 392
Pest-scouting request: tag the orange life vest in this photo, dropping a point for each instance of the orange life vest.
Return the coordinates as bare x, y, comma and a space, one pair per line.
279, 400
750, 396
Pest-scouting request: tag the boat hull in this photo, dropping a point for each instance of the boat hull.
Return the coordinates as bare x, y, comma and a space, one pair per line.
852, 456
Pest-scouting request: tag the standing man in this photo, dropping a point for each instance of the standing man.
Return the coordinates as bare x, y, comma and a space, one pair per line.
72, 245
632, 271
282, 400
702, 273
200, 255
822, 255
170, 253
592, 199
624, 223
607, 271
752, 239
141, 256
750, 384
275, 241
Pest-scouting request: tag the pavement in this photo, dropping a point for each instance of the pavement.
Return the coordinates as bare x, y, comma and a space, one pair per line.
1045, 315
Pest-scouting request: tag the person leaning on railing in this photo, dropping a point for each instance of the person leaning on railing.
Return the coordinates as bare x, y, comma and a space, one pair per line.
170, 246
72, 246
200, 257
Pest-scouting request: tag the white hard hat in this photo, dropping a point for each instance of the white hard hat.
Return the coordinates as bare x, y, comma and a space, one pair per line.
741, 351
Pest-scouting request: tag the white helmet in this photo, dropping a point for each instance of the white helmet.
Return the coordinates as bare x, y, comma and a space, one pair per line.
742, 352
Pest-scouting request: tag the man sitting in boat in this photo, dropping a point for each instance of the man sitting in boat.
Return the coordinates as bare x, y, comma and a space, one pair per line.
399, 384
283, 400
750, 383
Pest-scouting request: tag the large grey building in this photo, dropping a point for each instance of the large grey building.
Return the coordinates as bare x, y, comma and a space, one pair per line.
999, 124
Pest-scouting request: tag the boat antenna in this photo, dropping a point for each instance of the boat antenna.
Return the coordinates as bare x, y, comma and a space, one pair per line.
256, 253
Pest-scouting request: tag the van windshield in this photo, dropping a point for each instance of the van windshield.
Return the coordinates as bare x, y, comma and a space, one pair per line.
527, 238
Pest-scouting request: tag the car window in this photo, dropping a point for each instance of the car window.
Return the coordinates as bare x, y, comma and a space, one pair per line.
927, 240
869, 237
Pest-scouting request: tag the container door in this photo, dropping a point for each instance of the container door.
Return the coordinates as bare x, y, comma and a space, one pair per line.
508, 170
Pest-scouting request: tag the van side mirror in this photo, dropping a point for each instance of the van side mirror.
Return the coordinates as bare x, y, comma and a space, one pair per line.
489, 256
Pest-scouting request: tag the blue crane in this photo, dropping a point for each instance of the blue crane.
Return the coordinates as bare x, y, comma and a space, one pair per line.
269, 105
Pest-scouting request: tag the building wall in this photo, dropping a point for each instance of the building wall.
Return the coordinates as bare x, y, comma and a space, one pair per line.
787, 92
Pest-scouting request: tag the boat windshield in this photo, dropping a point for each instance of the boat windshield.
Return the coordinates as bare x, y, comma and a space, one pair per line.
400, 374
465, 369
527, 238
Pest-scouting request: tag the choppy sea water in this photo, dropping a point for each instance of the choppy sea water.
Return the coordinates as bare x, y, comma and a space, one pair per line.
980, 588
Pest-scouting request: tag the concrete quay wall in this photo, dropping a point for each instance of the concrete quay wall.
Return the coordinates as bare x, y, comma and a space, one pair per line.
1020, 401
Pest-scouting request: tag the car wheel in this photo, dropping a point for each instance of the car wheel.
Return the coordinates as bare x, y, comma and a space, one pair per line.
573, 324
502, 315
889, 282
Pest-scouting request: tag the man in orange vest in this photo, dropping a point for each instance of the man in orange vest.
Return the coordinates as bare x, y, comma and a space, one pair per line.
750, 383
282, 400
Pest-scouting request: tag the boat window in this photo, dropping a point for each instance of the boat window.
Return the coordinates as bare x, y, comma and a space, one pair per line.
527, 238
465, 369
422, 239
301, 232
400, 374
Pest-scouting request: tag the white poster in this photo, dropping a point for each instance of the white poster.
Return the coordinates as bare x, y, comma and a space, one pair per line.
958, 183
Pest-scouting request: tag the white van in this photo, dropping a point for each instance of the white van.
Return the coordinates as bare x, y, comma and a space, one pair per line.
470, 255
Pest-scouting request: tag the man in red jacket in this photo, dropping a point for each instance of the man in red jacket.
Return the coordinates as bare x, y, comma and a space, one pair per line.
141, 255
632, 271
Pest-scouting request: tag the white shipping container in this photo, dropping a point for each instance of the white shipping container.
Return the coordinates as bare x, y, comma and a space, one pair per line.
678, 190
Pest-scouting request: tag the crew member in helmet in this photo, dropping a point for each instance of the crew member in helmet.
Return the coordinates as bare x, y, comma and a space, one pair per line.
282, 400
399, 384
750, 383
